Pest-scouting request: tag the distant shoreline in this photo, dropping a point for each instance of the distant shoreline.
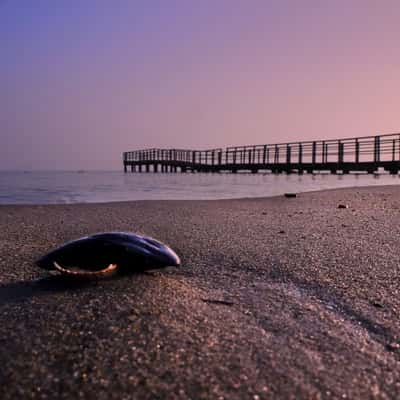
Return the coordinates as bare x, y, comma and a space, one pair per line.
98, 187
116, 202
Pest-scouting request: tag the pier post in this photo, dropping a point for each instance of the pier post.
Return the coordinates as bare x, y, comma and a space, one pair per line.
377, 149
314, 152
288, 154
300, 153
276, 155
340, 152
357, 151
393, 149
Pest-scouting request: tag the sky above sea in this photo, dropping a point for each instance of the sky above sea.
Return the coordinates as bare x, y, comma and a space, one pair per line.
81, 81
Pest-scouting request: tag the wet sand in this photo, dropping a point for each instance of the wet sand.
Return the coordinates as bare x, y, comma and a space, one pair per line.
276, 298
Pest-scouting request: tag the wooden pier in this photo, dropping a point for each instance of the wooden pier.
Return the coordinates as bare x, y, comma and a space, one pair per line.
362, 154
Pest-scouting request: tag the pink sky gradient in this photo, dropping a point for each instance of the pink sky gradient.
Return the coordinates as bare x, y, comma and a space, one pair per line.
83, 81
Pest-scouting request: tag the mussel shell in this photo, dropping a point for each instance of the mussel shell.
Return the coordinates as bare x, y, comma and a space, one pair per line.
130, 251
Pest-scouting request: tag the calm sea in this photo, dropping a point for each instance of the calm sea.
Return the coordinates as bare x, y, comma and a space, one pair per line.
88, 187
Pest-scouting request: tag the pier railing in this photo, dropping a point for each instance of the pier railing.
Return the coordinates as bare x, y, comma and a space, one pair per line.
209, 157
350, 154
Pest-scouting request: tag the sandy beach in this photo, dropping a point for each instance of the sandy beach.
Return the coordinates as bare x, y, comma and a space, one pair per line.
276, 298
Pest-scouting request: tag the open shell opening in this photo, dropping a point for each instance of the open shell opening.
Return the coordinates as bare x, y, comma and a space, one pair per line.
83, 273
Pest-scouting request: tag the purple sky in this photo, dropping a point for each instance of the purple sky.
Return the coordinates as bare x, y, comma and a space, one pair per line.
83, 80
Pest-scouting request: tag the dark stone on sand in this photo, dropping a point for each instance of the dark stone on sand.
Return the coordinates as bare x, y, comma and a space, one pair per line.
218, 302
377, 304
392, 347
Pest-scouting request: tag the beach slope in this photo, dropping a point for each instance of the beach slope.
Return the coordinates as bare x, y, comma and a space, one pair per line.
275, 298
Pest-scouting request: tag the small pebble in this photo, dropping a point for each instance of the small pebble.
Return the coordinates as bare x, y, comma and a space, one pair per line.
392, 346
377, 304
216, 301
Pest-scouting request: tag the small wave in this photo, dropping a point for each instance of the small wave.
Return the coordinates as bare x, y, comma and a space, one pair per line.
69, 188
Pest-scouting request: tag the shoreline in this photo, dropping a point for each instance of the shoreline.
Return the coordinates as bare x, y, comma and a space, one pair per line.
276, 298
103, 188
122, 202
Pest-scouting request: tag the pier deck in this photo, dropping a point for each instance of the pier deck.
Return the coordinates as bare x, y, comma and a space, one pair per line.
362, 154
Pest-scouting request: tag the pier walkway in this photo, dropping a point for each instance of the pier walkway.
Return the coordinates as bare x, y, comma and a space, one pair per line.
362, 154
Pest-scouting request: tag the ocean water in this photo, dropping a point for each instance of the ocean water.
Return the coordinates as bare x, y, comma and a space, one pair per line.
89, 187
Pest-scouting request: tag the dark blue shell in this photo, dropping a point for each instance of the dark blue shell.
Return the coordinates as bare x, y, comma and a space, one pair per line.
131, 252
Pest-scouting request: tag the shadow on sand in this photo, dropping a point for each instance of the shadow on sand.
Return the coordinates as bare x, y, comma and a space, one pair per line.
25, 290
